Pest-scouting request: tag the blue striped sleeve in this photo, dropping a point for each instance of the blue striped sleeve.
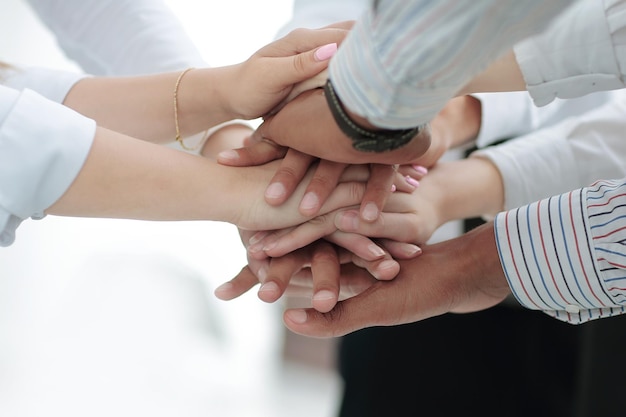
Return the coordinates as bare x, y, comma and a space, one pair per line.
565, 255
402, 62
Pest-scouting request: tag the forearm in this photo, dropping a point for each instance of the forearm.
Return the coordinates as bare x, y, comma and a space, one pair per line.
463, 189
503, 74
408, 89
143, 107
128, 178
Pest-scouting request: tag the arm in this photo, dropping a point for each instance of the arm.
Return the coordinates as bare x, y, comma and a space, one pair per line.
563, 255
459, 275
545, 65
573, 153
144, 106
151, 182
364, 77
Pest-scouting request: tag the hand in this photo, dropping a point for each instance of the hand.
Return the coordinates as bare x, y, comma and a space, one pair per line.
455, 125
278, 243
312, 272
247, 208
307, 125
410, 216
267, 78
459, 275
327, 173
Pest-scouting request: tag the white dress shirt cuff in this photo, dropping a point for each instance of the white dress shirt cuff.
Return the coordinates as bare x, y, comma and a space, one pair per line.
573, 57
43, 146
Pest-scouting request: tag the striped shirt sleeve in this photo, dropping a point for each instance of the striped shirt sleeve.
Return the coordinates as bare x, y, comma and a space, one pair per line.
404, 60
565, 255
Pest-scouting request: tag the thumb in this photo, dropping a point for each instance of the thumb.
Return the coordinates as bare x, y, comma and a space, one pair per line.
367, 309
308, 64
255, 154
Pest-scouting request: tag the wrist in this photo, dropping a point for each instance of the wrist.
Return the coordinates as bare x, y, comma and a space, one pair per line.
458, 123
365, 137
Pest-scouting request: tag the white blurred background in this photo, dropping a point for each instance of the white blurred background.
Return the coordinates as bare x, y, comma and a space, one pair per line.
117, 318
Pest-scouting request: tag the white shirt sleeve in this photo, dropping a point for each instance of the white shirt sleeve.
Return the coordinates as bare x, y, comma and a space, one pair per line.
583, 51
43, 146
404, 60
508, 115
52, 84
119, 37
568, 155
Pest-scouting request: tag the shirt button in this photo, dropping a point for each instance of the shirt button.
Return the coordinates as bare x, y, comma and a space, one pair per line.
573, 309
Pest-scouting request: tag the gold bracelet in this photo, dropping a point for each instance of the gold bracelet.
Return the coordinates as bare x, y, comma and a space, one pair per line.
178, 138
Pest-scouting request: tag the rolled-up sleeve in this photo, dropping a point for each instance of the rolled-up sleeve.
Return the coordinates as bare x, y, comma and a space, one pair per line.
404, 60
564, 255
43, 146
583, 51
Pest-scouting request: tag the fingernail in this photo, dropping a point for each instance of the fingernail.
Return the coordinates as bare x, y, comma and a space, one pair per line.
412, 181
323, 295
225, 287
275, 190
256, 248
393, 188
262, 274
421, 169
269, 246
370, 212
387, 264
309, 201
348, 221
269, 287
412, 250
325, 52
376, 251
298, 316
257, 237
230, 155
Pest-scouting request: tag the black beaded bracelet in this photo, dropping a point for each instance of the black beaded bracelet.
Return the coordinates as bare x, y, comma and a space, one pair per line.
363, 139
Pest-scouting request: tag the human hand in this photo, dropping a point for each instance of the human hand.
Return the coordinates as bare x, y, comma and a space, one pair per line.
247, 208
295, 164
459, 275
410, 216
311, 272
307, 125
259, 84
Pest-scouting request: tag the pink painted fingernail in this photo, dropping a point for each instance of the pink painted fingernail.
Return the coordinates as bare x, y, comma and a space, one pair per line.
325, 52
298, 316
393, 188
412, 181
421, 169
275, 190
